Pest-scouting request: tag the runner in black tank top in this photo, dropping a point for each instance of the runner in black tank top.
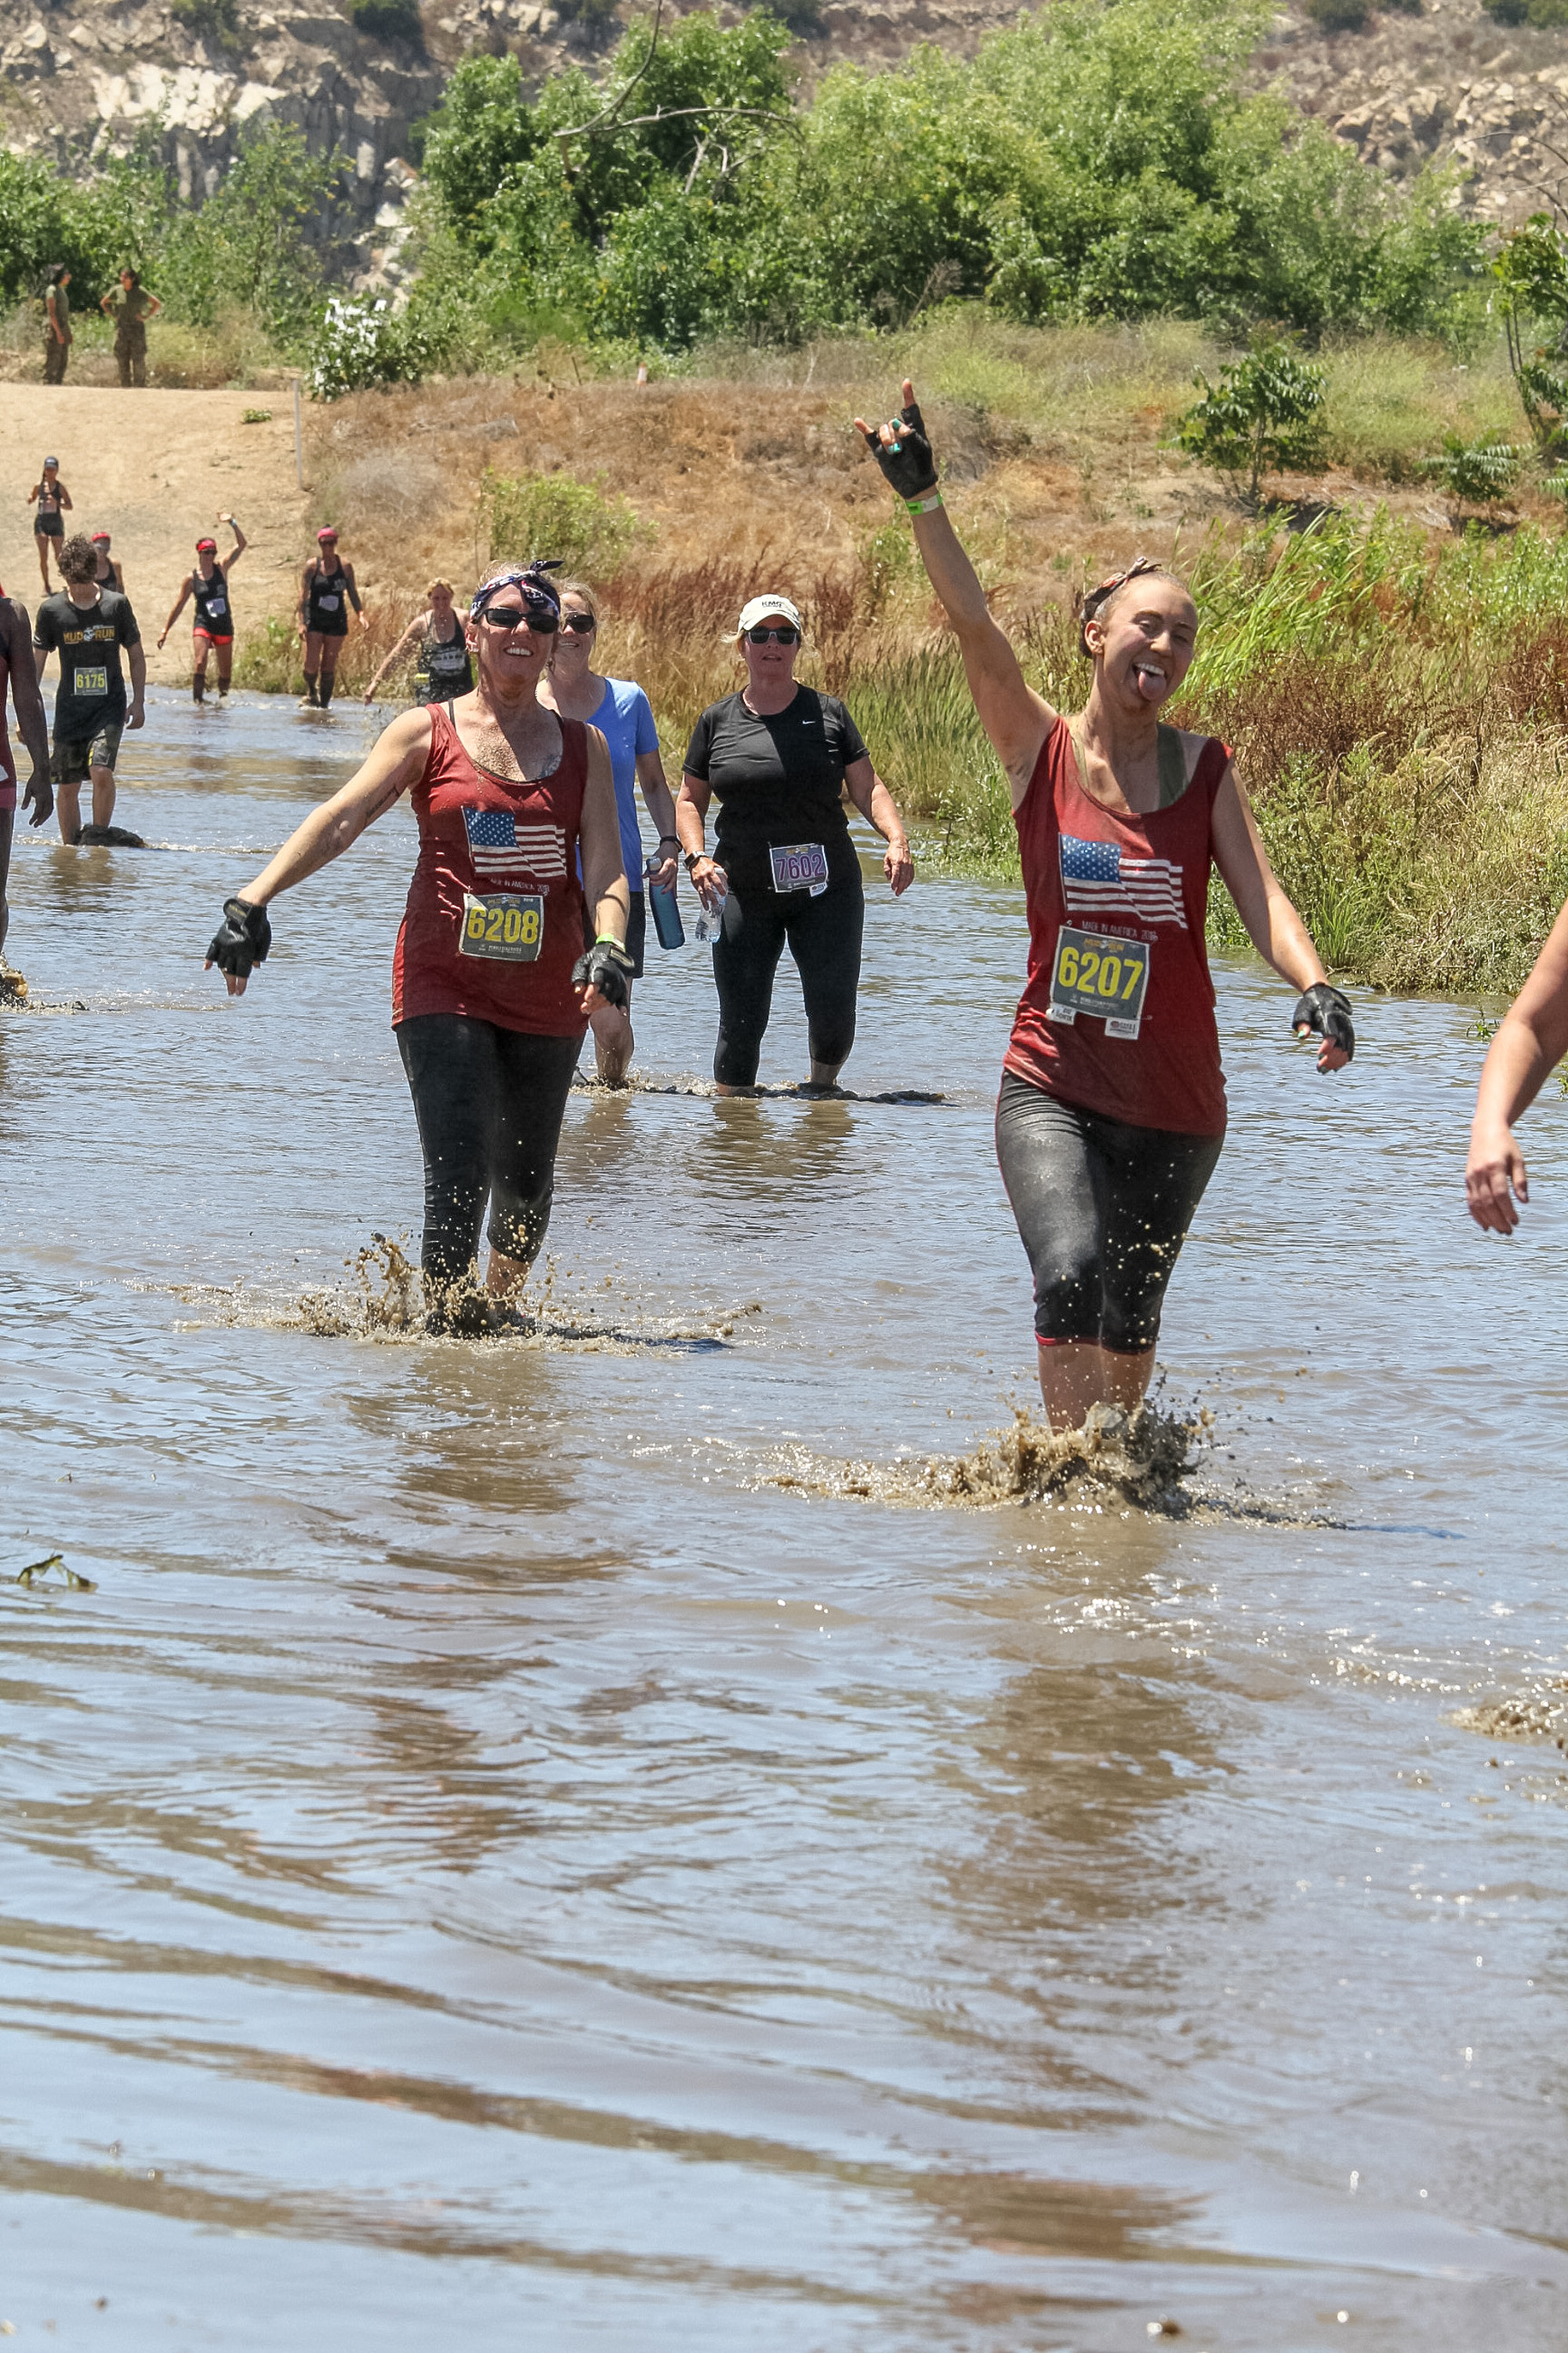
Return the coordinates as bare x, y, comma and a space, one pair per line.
326, 591
445, 672
110, 573
48, 523
214, 627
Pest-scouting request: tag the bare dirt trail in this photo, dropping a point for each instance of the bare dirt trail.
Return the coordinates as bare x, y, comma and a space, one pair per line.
156, 469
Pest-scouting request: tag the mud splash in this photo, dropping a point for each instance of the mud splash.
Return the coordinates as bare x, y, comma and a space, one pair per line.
385, 1300
1142, 1459
1537, 1716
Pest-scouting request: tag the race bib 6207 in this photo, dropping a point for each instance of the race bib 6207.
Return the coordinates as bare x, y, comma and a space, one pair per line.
506, 926
802, 866
1099, 974
92, 682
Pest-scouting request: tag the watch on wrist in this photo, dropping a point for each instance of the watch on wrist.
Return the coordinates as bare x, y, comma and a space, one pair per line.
694, 858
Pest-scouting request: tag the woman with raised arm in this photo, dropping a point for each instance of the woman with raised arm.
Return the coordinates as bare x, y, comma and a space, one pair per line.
491, 987
1112, 1110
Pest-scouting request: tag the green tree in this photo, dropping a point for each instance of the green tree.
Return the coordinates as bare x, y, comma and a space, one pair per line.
1263, 413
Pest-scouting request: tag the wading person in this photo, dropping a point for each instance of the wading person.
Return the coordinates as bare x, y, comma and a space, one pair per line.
131, 306
88, 625
212, 631
1530, 1042
1112, 1110
110, 573
619, 708
783, 867
491, 986
57, 327
53, 501
326, 592
443, 670
18, 672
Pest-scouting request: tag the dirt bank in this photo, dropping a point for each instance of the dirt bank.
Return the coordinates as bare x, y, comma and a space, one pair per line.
155, 468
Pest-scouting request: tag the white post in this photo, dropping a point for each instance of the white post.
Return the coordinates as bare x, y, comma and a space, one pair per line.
299, 445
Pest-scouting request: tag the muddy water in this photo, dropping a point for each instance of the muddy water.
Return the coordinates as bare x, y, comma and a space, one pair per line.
484, 1864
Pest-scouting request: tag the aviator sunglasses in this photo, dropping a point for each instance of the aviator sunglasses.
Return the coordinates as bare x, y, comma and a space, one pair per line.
783, 636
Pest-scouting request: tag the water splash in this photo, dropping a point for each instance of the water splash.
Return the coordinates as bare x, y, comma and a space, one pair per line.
1140, 1458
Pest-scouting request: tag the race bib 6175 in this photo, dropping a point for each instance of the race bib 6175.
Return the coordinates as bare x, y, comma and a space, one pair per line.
92, 682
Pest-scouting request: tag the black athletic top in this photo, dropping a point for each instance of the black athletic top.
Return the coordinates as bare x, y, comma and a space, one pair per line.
445, 665
328, 598
92, 691
214, 612
778, 780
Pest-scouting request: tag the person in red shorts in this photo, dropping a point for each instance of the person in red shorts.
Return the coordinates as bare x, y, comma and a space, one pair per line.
1112, 1110
18, 671
491, 987
212, 631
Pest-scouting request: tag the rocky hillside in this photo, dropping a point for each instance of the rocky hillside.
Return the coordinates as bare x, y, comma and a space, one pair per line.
1445, 84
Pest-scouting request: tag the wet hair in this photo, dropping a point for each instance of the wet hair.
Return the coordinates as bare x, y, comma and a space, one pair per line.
584, 594
1093, 604
78, 558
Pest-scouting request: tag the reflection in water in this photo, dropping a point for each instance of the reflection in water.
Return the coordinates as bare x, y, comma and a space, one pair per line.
474, 1815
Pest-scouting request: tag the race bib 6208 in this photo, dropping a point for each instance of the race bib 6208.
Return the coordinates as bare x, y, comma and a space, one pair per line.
1099, 974
508, 926
802, 866
92, 682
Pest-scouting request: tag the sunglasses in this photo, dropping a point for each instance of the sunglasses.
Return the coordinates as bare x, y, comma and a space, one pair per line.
784, 636
581, 624
539, 620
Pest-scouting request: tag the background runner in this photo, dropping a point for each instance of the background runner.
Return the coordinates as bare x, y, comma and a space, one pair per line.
87, 625
214, 627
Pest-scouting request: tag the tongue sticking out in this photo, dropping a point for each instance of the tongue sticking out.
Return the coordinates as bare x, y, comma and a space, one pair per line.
1151, 682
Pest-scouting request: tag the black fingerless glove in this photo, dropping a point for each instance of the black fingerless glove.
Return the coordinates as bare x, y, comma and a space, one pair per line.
907, 461
241, 940
1328, 1010
605, 967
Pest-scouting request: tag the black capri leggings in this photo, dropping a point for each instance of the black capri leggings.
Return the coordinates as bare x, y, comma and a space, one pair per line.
1102, 1208
490, 1105
824, 937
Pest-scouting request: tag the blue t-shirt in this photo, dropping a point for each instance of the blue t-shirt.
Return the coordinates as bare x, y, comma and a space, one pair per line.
624, 718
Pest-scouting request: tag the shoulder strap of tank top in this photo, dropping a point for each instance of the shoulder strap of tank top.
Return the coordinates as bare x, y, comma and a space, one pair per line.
1172, 757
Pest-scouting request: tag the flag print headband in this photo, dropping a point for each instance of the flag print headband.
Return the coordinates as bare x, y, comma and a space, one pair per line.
529, 580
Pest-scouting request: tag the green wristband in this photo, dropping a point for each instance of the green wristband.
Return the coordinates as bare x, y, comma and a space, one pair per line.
924, 506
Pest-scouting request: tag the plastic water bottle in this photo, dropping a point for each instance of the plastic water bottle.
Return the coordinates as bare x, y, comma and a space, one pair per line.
665, 911
709, 921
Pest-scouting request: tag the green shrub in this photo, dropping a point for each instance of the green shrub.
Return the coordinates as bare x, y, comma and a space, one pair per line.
1262, 415
218, 19
1543, 13
387, 20
1479, 473
551, 514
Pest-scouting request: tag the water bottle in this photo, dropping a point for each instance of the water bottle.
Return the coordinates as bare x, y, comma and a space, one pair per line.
710, 923
666, 912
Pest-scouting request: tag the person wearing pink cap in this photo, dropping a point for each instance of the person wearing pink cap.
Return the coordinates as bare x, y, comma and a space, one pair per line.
325, 593
214, 628
110, 570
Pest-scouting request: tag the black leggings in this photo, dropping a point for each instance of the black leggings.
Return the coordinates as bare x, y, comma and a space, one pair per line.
824, 937
490, 1105
1103, 1209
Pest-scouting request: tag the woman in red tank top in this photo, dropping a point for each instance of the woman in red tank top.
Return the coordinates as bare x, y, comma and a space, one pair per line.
1112, 1114
492, 990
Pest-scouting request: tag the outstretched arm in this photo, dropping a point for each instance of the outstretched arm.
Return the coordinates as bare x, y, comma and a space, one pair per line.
241, 544
1527, 1049
400, 652
397, 763
1014, 716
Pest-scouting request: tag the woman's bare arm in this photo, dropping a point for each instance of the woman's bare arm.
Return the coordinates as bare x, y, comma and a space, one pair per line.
604, 877
1527, 1047
1273, 925
395, 763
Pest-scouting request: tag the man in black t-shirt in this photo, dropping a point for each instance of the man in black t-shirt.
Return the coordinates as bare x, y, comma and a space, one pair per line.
87, 625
